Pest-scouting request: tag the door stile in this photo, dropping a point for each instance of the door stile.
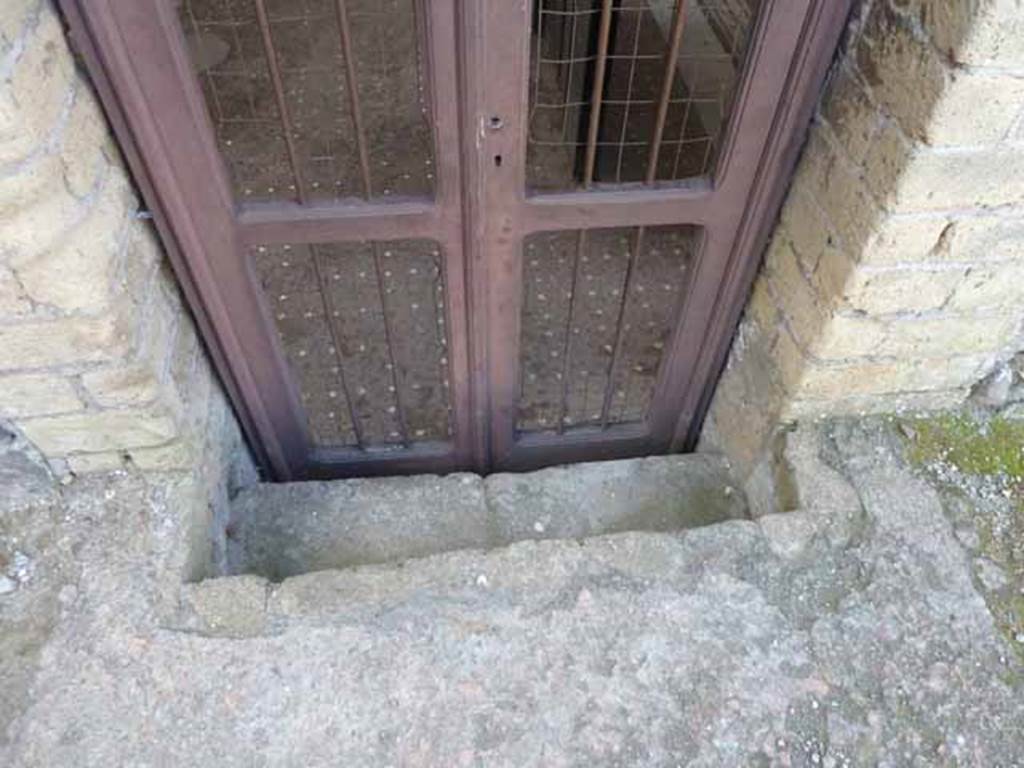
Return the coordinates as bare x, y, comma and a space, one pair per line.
139, 45
499, 88
440, 219
819, 35
141, 49
717, 204
763, 88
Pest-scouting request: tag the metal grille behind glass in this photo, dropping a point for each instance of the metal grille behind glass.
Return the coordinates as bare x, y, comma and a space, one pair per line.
631, 90
363, 330
598, 308
314, 99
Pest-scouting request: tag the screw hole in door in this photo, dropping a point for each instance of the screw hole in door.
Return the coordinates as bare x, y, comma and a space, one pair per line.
496, 123
497, 161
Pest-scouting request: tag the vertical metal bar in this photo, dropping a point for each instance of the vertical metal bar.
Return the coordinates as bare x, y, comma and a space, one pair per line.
581, 245
352, 83
596, 96
286, 125
627, 284
399, 409
278, 85
540, 56
568, 77
597, 93
676, 38
682, 129
329, 313
629, 94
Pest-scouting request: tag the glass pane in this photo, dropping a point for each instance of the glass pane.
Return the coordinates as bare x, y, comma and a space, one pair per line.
598, 308
564, 66
363, 329
229, 51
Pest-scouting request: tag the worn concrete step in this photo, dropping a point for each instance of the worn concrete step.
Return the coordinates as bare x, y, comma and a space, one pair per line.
283, 530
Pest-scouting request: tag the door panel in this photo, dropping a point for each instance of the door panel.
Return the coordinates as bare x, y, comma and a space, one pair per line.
362, 326
598, 308
644, 119
430, 235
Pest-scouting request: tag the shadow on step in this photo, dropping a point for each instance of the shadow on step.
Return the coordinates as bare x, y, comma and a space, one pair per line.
279, 531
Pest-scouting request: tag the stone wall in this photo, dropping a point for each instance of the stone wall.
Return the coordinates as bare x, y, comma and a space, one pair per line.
895, 277
100, 365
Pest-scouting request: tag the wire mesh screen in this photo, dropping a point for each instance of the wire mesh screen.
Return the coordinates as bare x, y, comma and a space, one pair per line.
363, 329
609, 102
598, 308
315, 98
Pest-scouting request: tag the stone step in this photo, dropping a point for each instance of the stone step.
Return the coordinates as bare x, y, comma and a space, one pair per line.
528, 575
283, 530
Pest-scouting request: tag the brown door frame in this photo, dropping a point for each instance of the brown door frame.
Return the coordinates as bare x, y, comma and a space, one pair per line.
136, 53
136, 56
791, 46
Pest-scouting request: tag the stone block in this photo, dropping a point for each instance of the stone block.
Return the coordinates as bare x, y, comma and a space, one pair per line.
903, 71
122, 386
906, 239
791, 361
850, 206
178, 456
807, 228
37, 395
993, 36
84, 137
761, 307
994, 286
886, 161
34, 227
232, 606
93, 463
850, 113
77, 274
886, 291
804, 311
13, 301
857, 405
99, 431
977, 108
987, 237
846, 336
892, 376
38, 89
15, 18
65, 341
948, 335
747, 400
941, 179
663, 493
294, 528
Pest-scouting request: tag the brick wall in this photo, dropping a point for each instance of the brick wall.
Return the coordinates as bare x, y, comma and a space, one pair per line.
99, 362
895, 276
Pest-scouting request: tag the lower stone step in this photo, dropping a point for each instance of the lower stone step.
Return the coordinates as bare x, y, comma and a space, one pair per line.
283, 530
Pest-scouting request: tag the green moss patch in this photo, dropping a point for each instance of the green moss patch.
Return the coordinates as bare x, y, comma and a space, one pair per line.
990, 447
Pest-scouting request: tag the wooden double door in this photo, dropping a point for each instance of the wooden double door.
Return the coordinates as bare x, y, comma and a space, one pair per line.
431, 235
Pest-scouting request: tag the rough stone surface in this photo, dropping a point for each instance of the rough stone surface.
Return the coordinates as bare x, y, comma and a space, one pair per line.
851, 631
284, 530
91, 329
899, 245
665, 493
